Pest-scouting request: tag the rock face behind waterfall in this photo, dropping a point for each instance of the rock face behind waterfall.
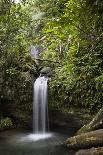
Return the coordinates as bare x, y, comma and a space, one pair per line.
46, 71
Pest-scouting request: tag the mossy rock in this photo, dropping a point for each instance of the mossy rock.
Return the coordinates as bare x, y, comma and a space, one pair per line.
85, 140
46, 71
92, 151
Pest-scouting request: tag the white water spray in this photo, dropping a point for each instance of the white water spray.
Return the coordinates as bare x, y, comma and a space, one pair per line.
40, 106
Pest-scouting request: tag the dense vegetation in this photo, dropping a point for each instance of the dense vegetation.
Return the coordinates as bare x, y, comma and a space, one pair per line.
16, 66
73, 36
70, 33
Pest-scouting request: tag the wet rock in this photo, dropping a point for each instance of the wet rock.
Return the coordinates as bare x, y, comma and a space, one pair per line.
46, 71
85, 140
65, 119
92, 151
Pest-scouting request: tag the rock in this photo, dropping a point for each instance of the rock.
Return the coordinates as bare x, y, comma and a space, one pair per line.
65, 119
92, 151
85, 140
46, 71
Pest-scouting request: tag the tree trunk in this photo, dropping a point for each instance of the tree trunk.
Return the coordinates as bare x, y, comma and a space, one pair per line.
95, 124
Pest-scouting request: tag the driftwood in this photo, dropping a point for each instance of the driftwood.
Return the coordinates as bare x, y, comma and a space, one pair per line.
85, 140
95, 124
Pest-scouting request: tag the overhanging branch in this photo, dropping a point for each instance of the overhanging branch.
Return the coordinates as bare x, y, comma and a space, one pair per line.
47, 60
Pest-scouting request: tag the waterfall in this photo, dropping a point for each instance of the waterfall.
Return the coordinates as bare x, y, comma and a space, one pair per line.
40, 106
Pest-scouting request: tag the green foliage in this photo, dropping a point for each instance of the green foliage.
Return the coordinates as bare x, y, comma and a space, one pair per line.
16, 65
6, 123
69, 33
73, 36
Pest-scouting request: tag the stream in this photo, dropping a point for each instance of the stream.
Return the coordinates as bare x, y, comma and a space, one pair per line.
19, 142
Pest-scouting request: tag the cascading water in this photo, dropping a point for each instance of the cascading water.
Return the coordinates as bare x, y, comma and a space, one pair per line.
40, 106
40, 110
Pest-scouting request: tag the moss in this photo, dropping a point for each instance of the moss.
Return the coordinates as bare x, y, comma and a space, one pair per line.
85, 140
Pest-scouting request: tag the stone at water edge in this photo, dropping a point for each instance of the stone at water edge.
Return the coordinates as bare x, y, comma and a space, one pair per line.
92, 151
86, 140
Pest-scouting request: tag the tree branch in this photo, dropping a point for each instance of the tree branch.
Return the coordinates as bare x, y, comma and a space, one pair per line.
47, 60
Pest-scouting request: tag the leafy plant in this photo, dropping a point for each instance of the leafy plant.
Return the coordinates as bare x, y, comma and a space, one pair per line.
6, 123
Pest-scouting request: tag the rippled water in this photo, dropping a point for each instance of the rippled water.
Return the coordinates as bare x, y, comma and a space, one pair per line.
20, 143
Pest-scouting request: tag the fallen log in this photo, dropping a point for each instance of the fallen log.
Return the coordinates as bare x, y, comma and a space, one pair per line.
85, 140
95, 124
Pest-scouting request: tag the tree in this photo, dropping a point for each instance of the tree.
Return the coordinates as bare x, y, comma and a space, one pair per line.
16, 65
73, 37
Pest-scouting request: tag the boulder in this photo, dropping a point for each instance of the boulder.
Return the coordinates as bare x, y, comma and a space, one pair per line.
92, 151
85, 140
46, 71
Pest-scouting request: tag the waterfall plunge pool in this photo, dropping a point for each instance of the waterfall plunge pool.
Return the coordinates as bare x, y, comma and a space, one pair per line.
41, 142
18, 142
37, 137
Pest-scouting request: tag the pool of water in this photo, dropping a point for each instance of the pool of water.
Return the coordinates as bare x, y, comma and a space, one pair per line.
24, 143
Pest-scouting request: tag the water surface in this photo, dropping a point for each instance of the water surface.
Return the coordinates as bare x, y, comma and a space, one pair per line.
22, 143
